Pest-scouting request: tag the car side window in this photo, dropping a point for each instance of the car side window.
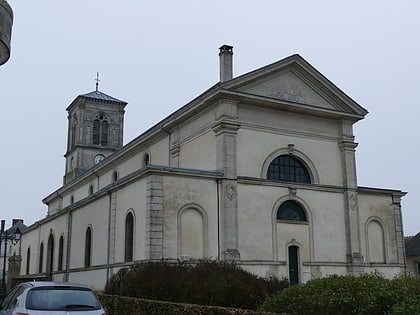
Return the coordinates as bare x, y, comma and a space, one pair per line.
14, 299
6, 302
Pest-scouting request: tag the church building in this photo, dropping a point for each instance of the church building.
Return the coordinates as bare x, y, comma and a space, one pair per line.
259, 169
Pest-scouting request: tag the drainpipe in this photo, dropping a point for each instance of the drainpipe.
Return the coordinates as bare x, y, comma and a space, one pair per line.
218, 218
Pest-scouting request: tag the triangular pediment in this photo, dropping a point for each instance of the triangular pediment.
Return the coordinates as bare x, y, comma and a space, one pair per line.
295, 81
288, 87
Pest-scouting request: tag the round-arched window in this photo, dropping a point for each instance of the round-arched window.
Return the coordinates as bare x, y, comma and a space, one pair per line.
291, 211
288, 168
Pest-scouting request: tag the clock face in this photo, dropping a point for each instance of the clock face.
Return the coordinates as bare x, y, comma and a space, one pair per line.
99, 158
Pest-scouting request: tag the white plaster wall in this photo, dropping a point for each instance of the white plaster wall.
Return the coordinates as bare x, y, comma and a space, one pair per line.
131, 197
257, 206
328, 223
180, 192
378, 207
33, 239
159, 154
95, 214
255, 146
197, 124
278, 120
293, 234
199, 153
255, 220
30, 239
95, 279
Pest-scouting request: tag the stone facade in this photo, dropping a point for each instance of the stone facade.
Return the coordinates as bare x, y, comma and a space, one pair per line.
259, 169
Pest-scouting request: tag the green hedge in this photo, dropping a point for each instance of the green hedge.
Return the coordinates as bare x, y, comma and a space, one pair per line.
367, 294
206, 283
118, 305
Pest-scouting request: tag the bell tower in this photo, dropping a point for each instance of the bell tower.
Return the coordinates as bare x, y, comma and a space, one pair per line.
95, 131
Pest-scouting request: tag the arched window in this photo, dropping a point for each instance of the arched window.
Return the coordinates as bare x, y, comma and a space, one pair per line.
60, 253
90, 190
289, 169
73, 136
129, 237
291, 211
50, 254
28, 260
146, 159
100, 130
88, 247
41, 257
115, 176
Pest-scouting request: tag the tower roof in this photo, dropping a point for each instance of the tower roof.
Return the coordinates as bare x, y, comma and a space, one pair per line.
98, 95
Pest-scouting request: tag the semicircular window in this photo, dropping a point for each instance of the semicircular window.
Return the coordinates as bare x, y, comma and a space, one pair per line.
289, 169
291, 211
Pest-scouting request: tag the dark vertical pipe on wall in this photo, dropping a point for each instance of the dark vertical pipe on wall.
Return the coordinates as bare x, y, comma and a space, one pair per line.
109, 235
218, 218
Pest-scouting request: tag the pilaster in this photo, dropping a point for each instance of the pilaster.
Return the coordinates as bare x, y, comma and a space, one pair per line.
225, 128
175, 148
154, 218
347, 146
399, 233
113, 205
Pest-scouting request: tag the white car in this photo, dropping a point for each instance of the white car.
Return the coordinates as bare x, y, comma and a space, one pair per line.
51, 298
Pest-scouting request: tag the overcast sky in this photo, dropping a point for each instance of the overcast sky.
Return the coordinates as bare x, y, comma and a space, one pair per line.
158, 55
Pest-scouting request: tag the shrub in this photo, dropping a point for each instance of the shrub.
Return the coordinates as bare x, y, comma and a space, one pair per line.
206, 283
366, 294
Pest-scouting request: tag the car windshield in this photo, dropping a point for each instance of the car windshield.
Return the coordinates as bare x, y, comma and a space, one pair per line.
61, 298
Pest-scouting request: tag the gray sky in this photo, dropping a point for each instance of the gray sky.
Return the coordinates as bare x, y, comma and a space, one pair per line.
158, 55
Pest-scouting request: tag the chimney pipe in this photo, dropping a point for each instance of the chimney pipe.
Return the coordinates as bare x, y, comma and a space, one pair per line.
226, 63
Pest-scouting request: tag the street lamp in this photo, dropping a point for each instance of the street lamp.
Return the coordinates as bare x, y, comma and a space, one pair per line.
14, 240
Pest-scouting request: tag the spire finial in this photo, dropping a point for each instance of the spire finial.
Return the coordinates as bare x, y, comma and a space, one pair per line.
97, 81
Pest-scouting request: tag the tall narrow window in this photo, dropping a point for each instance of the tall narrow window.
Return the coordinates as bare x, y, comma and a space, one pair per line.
146, 159
289, 169
41, 257
293, 264
96, 131
50, 254
88, 247
60, 253
129, 237
28, 260
73, 136
100, 130
104, 133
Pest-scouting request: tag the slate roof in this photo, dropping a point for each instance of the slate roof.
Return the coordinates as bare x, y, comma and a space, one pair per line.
12, 230
412, 245
98, 95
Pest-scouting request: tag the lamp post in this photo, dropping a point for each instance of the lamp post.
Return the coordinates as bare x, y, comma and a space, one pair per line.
14, 239
4, 236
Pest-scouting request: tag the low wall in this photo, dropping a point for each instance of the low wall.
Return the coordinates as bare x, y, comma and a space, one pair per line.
117, 305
